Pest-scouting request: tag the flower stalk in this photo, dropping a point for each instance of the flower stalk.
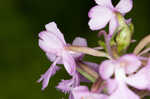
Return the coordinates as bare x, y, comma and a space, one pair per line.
86, 75
87, 50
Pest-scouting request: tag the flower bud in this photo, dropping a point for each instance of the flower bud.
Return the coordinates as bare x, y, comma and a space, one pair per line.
124, 34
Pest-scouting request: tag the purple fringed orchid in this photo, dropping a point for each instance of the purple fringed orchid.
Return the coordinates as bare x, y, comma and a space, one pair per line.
82, 92
66, 85
104, 12
125, 71
53, 43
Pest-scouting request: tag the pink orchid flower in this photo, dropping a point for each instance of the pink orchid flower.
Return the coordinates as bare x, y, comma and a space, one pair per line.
66, 85
104, 13
125, 71
53, 43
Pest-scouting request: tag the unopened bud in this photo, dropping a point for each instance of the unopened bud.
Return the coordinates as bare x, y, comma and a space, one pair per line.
123, 38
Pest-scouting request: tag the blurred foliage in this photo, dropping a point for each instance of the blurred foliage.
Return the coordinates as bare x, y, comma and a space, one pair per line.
22, 61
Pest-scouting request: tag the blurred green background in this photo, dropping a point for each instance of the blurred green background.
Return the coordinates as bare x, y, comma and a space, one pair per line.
22, 61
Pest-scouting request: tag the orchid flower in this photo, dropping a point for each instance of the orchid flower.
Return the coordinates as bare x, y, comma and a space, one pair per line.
53, 43
66, 85
104, 13
125, 71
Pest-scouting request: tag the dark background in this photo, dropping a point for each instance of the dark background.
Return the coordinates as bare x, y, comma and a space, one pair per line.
22, 61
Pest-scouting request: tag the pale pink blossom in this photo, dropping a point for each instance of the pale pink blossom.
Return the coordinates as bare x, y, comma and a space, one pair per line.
125, 71
104, 13
67, 85
53, 43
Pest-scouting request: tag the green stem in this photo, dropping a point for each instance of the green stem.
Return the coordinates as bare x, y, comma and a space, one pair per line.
86, 75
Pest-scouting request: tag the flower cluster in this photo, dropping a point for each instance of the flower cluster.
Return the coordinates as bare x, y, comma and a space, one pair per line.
121, 76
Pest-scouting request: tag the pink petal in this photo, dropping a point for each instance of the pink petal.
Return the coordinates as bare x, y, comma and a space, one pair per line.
79, 41
141, 79
124, 6
71, 96
132, 63
111, 85
113, 25
82, 92
148, 71
69, 63
49, 42
52, 57
46, 76
81, 89
99, 17
123, 92
67, 85
107, 3
106, 69
52, 28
